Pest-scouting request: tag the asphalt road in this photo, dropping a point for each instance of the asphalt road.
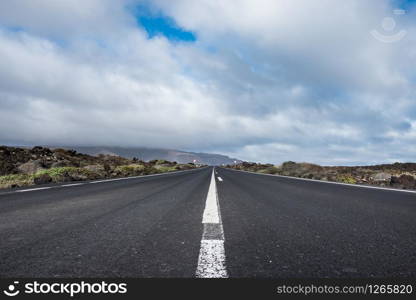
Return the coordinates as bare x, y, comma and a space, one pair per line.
268, 226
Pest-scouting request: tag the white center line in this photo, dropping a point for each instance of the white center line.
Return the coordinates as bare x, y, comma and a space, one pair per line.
211, 261
211, 214
219, 178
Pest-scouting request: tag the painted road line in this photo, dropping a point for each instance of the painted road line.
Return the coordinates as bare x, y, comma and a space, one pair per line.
72, 184
108, 180
34, 189
211, 260
143, 176
331, 182
211, 214
219, 178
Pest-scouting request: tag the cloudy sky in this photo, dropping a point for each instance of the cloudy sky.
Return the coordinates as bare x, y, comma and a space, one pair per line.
324, 81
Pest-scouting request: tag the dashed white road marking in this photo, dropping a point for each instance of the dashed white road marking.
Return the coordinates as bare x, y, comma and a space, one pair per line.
211, 214
211, 263
211, 260
219, 178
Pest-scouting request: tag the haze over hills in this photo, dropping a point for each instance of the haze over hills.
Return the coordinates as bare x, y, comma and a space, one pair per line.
148, 154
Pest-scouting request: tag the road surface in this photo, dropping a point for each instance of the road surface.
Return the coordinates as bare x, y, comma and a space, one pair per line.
206, 223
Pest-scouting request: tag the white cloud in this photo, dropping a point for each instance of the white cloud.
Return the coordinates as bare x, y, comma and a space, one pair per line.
66, 18
265, 81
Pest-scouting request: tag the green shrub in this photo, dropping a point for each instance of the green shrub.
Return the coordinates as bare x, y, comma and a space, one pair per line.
62, 174
58, 172
163, 169
130, 170
68, 174
16, 180
346, 179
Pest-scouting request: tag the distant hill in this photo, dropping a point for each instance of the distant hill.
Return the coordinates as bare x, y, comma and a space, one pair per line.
148, 154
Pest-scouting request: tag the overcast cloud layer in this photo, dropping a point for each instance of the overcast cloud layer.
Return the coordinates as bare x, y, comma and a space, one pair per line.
264, 81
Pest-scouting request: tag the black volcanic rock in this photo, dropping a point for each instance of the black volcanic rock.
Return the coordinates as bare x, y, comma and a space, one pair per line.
397, 175
42, 179
404, 181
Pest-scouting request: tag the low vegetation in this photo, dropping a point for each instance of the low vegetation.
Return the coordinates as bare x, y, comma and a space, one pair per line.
24, 167
397, 175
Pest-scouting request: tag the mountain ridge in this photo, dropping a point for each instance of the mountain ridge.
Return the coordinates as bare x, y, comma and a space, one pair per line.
148, 154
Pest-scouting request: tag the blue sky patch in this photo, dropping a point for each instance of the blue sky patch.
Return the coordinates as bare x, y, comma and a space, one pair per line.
158, 24
405, 4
